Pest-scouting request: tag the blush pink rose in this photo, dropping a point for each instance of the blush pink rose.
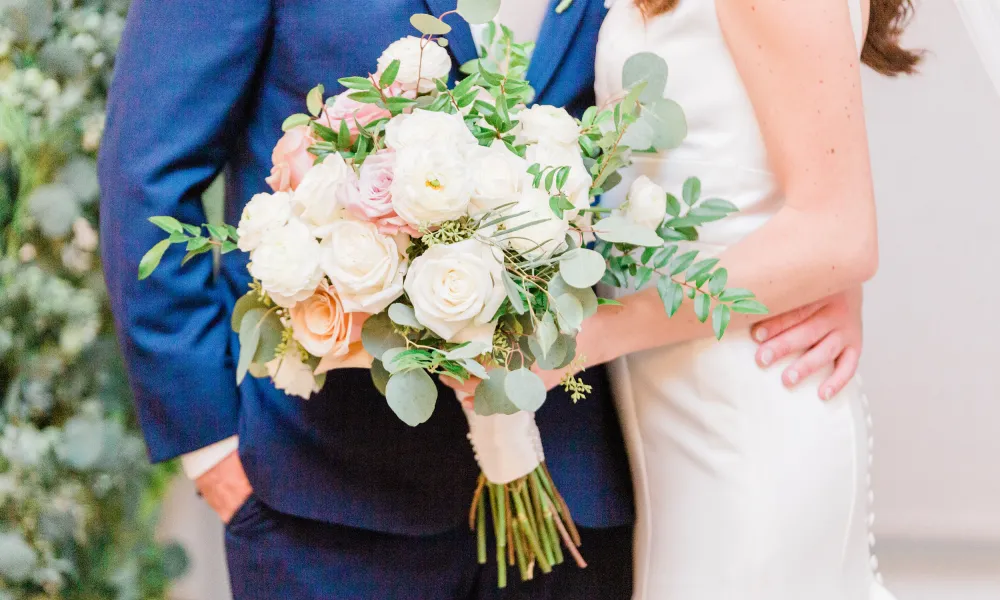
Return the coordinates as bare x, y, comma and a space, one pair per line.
353, 112
374, 203
291, 159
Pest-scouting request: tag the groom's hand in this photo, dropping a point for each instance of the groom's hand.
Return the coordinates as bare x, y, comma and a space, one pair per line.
225, 487
827, 332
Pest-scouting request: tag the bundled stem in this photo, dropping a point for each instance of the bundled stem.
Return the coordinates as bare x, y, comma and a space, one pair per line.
531, 525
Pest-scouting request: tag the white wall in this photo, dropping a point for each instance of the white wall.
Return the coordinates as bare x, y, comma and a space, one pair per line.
932, 355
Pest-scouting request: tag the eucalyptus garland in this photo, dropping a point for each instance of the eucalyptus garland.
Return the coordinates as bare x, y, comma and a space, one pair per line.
79, 501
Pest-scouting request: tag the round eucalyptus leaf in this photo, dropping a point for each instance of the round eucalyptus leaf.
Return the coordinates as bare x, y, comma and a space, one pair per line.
545, 334
478, 12
412, 396
619, 230
668, 122
270, 337
491, 396
429, 24
570, 342
555, 358
582, 268
525, 390
245, 303
17, 557
649, 68
403, 315
639, 135
569, 313
378, 335
586, 296
380, 377
389, 359
249, 340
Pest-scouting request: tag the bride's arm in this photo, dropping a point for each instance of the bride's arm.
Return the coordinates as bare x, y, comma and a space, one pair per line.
800, 66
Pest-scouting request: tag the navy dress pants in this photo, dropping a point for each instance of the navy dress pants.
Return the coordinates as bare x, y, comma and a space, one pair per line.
274, 556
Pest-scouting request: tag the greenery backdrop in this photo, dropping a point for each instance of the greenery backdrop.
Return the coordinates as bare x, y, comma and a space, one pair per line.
78, 500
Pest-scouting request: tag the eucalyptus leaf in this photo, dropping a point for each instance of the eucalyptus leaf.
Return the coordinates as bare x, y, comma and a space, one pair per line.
388, 359
478, 12
491, 395
619, 230
474, 368
648, 68
525, 390
582, 268
429, 24
546, 334
468, 350
378, 335
412, 396
380, 376
569, 313
402, 314
249, 340
243, 304
666, 119
559, 353
271, 331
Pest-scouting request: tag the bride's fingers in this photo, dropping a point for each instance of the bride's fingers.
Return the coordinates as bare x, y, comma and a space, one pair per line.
468, 387
800, 337
819, 356
772, 327
847, 366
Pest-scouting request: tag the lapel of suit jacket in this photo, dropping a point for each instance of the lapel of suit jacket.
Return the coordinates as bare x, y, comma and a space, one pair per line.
554, 39
460, 42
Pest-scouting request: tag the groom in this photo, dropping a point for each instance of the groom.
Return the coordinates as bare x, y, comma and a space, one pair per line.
333, 498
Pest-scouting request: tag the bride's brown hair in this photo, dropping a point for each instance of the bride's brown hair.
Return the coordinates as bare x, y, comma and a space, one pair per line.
882, 51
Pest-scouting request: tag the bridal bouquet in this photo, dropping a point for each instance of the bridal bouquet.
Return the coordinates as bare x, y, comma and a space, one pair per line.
417, 229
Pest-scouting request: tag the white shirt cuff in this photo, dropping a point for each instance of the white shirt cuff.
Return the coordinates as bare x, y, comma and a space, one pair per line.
199, 462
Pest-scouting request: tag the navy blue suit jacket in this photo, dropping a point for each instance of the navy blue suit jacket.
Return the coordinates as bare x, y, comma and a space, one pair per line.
201, 86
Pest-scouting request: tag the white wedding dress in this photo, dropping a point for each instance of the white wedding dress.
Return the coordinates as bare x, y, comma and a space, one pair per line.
745, 490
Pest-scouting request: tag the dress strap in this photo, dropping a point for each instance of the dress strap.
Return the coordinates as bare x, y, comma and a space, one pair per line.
857, 22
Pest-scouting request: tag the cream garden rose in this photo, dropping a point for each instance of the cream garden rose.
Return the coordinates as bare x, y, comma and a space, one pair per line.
364, 266
548, 124
456, 289
287, 263
541, 238
431, 185
291, 375
424, 128
498, 176
647, 203
264, 213
420, 63
577, 186
326, 190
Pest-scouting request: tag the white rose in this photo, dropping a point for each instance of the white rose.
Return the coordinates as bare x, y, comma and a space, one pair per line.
456, 289
264, 213
325, 191
548, 124
498, 177
541, 238
647, 203
423, 128
291, 375
364, 266
287, 263
431, 185
577, 186
435, 59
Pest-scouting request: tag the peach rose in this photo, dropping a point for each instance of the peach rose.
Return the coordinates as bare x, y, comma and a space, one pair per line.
320, 324
374, 202
291, 159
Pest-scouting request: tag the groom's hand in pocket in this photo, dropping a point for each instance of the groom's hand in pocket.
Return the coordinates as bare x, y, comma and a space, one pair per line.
225, 487
827, 332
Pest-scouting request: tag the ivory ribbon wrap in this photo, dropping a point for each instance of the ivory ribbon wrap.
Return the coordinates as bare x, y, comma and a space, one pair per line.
507, 447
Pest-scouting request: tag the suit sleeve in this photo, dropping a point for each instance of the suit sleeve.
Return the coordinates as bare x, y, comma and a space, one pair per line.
185, 72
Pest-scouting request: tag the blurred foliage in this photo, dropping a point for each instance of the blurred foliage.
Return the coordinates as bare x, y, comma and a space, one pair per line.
79, 501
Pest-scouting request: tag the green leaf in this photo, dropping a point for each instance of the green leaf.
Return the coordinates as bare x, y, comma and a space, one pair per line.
702, 304
619, 230
525, 390
270, 337
586, 296
692, 190
546, 334
569, 313
151, 260
734, 294
389, 357
681, 262
170, 225
700, 268
673, 205
378, 335
429, 24
717, 283
243, 304
401, 314
663, 256
608, 302
671, 294
514, 292
412, 396
720, 320
357, 83
478, 12
296, 120
582, 268
642, 277
344, 136
491, 395
647, 255
198, 251
648, 68
228, 246
443, 42
749, 307
314, 100
667, 120
380, 376
249, 340
720, 205
388, 76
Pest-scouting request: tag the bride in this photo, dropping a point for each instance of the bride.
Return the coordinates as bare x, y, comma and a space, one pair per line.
747, 490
